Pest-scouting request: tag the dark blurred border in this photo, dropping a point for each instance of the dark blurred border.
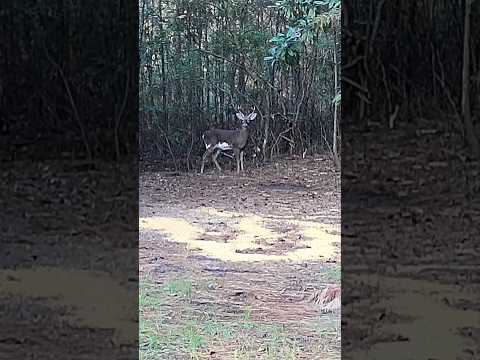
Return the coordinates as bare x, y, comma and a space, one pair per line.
69, 179
410, 186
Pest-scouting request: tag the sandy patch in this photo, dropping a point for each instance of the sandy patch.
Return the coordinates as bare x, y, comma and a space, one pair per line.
316, 240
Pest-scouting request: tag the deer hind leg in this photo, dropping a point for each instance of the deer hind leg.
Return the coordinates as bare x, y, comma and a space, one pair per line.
214, 158
204, 157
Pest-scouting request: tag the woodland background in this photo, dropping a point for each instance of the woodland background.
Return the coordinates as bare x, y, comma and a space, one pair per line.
405, 61
65, 90
202, 59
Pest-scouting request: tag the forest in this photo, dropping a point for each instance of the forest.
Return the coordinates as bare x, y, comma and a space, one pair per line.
417, 59
201, 60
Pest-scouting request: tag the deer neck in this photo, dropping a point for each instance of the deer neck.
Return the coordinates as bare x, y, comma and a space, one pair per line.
244, 135
244, 131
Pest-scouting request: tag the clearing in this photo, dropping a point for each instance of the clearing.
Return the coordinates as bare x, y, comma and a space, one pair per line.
231, 265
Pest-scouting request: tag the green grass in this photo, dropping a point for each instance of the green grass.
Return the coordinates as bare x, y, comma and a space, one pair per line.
192, 338
246, 319
152, 342
278, 345
171, 327
149, 296
333, 274
219, 330
182, 288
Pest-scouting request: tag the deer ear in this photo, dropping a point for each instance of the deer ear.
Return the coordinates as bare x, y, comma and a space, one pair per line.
252, 116
240, 116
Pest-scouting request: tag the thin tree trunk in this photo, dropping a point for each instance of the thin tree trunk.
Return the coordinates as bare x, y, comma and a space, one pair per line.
164, 81
466, 111
335, 113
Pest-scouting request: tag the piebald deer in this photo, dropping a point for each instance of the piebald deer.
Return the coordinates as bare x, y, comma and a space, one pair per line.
220, 140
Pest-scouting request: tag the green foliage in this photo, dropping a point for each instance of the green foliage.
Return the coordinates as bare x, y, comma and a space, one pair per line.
287, 47
337, 99
307, 18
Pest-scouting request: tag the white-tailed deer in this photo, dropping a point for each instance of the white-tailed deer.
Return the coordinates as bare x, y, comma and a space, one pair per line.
220, 140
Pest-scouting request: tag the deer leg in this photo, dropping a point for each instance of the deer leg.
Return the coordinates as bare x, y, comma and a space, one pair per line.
214, 157
241, 160
204, 157
237, 158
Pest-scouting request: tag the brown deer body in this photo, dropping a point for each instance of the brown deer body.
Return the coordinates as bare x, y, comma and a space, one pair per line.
220, 140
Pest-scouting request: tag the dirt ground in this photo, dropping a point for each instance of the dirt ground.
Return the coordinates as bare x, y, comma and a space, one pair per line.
230, 264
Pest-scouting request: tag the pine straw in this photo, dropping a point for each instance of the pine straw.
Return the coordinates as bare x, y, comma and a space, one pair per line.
266, 290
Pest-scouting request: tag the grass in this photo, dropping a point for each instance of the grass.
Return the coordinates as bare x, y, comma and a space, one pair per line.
172, 328
246, 321
219, 330
182, 288
333, 274
149, 297
191, 337
160, 339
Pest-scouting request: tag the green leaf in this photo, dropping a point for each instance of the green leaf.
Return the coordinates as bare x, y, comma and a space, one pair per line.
337, 98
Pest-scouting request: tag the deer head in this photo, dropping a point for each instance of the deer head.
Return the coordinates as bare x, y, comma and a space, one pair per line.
246, 119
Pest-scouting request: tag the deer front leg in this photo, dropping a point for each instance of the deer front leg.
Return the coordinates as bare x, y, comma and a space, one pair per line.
204, 157
241, 160
237, 158
214, 157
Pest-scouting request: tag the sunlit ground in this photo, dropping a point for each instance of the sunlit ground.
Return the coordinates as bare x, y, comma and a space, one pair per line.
315, 241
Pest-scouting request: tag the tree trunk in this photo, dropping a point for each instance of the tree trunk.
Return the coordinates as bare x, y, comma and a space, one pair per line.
164, 80
336, 157
466, 111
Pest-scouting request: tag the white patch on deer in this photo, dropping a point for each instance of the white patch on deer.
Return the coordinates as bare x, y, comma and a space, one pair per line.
223, 146
206, 145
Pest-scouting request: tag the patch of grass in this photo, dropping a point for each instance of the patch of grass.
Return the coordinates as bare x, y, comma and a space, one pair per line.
284, 349
171, 329
154, 341
276, 345
221, 330
279, 346
149, 297
183, 288
273, 332
247, 323
328, 336
333, 274
151, 342
192, 338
